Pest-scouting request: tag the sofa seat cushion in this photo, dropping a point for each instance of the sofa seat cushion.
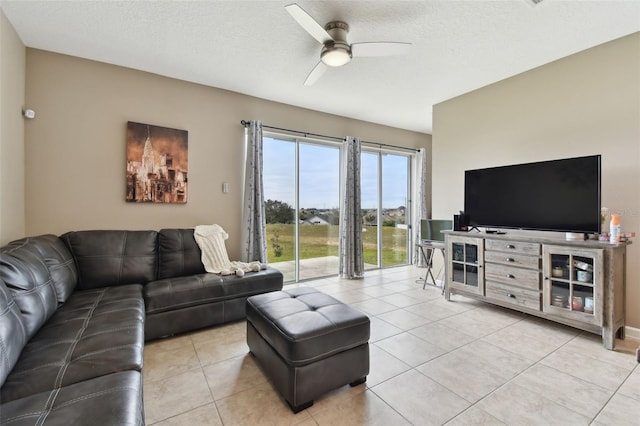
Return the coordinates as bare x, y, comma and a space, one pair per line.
184, 292
304, 325
97, 332
114, 399
263, 281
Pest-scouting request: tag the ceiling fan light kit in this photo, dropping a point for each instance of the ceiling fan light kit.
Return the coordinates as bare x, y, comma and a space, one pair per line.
336, 55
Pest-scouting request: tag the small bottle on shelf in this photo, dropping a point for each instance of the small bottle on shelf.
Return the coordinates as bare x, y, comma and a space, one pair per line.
614, 229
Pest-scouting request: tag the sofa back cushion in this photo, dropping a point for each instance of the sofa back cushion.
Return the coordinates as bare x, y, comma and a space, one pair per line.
60, 264
25, 273
111, 258
178, 254
13, 334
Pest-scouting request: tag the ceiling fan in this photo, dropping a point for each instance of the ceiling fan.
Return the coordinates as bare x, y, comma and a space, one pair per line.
336, 51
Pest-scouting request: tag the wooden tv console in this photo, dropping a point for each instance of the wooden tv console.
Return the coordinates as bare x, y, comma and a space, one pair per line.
577, 283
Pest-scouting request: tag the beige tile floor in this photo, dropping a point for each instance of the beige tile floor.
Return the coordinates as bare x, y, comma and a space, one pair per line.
432, 362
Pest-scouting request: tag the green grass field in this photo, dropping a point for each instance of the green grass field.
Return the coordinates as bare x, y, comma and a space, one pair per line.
322, 240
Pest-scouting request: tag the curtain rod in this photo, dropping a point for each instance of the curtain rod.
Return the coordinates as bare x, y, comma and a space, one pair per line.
245, 123
390, 146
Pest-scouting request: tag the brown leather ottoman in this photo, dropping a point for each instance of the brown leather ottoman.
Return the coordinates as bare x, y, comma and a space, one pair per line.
307, 343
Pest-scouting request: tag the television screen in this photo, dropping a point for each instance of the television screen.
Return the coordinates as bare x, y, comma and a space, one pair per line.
556, 195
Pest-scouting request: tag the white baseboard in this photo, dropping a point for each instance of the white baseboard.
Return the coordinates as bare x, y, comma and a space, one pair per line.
632, 333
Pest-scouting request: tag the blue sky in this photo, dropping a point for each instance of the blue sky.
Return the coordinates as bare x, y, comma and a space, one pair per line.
319, 175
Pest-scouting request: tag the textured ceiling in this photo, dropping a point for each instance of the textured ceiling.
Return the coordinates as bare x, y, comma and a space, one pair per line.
256, 48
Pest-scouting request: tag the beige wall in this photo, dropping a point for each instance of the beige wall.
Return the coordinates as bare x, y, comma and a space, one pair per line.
75, 148
588, 103
12, 85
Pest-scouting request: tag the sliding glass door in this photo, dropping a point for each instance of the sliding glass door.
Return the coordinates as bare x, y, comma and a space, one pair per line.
370, 202
385, 183
318, 210
301, 186
279, 179
395, 200
301, 181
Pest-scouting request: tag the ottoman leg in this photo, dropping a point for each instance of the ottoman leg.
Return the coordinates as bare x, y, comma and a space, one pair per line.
358, 382
296, 409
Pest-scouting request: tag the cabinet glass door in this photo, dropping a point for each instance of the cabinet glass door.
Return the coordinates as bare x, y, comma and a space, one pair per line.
465, 263
572, 288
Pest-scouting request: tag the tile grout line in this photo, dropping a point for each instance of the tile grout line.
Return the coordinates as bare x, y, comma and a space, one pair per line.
381, 283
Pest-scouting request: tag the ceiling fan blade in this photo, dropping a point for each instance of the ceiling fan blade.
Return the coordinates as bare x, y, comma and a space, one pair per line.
315, 73
382, 48
308, 23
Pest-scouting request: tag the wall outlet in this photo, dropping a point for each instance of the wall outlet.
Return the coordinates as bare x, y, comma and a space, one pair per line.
225, 187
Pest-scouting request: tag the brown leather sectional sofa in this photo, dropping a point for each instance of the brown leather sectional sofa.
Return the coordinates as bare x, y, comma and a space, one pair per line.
75, 311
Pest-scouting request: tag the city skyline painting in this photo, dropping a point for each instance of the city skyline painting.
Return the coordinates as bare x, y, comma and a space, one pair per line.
157, 164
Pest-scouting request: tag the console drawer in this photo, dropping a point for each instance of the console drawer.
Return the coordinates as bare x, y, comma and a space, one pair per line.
512, 246
521, 260
513, 296
529, 278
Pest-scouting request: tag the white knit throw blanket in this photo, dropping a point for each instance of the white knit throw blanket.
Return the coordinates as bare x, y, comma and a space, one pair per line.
210, 239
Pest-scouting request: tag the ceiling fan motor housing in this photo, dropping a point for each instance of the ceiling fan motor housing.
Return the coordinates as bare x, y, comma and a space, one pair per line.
336, 52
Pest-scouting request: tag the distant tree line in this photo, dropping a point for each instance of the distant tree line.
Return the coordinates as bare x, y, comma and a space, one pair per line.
280, 212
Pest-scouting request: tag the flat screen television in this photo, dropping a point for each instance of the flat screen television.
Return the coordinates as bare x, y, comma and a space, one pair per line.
557, 195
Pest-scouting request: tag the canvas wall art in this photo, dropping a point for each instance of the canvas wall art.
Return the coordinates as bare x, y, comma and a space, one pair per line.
157, 164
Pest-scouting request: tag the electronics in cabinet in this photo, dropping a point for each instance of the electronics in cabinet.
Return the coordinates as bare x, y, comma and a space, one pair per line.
460, 222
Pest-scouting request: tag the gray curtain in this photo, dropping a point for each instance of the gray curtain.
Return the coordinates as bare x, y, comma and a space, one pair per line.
419, 197
253, 232
350, 254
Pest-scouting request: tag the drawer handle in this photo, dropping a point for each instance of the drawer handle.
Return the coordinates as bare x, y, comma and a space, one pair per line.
510, 276
513, 296
510, 246
510, 259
